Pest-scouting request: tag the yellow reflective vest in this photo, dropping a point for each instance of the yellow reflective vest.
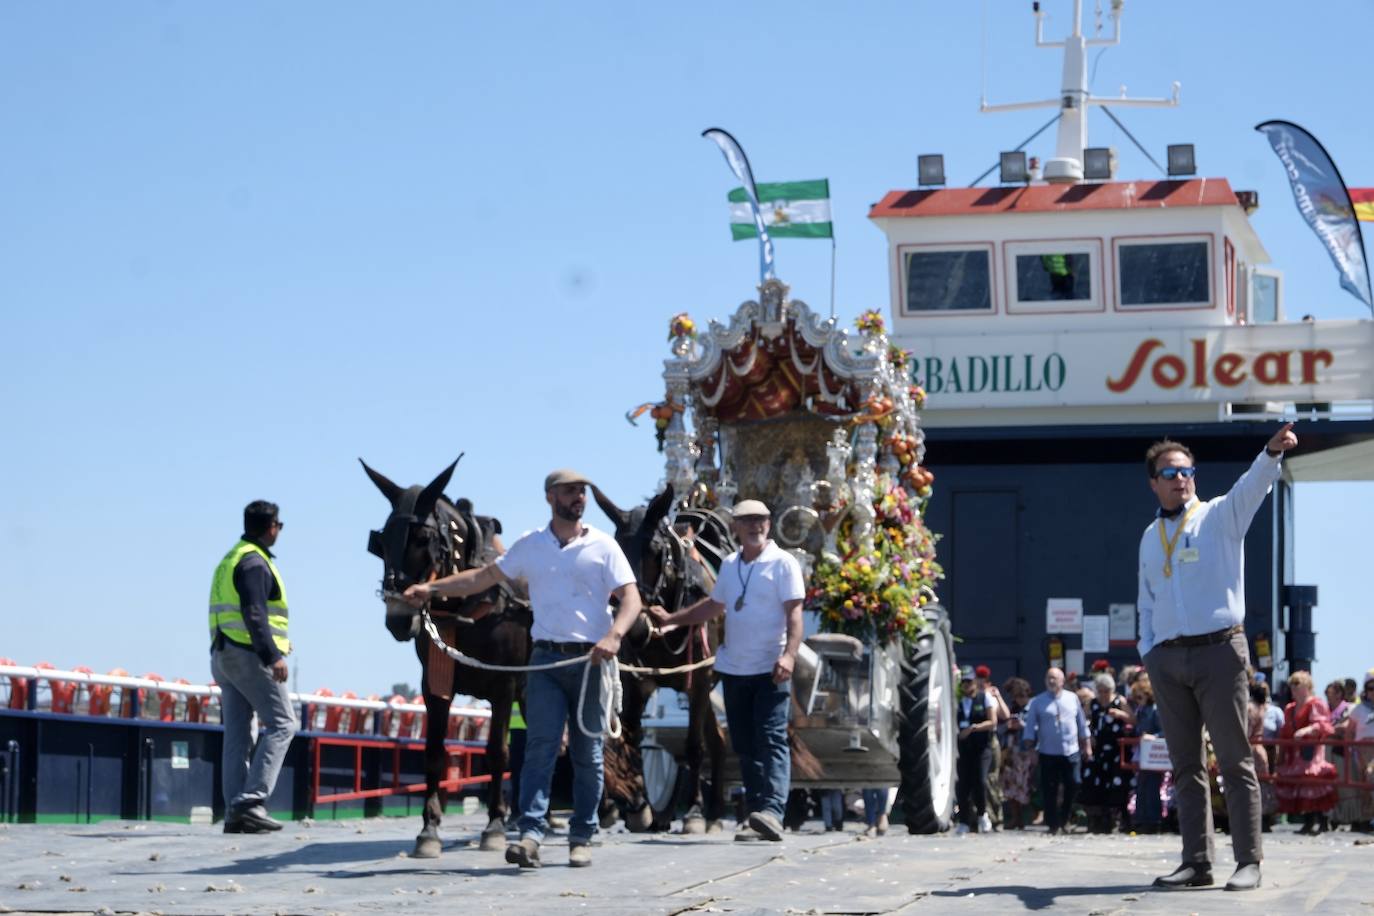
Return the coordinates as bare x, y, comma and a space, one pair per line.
226, 610
1056, 265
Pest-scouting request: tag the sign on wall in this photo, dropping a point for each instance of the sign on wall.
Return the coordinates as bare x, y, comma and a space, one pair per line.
1064, 615
1300, 361
1122, 618
1095, 633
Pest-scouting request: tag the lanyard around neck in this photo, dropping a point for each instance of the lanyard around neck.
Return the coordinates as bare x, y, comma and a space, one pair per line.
1169, 543
743, 582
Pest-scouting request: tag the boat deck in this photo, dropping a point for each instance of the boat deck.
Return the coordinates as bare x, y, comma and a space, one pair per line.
362, 866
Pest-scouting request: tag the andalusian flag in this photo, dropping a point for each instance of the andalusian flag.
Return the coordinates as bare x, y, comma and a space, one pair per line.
790, 209
1363, 199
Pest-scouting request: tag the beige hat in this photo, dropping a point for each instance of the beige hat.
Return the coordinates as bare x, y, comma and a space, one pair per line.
750, 507
563, 476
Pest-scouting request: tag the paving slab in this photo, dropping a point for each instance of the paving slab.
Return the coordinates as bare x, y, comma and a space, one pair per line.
364, 867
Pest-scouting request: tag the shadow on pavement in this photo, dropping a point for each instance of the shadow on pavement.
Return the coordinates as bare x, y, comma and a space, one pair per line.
1042, 898
339, 853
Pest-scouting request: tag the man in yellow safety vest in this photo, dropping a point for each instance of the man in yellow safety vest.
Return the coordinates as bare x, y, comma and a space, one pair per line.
249, 644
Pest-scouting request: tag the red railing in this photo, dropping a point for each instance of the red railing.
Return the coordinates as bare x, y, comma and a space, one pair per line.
460, 774
1346, 776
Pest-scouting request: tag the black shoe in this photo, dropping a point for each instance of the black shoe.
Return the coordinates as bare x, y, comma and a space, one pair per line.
249, 819
1189, 874
1246, 878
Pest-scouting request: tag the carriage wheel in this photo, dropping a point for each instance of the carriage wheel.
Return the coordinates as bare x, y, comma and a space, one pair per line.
927, 728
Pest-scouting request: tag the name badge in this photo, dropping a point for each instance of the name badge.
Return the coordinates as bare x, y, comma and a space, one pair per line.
1187, 555
964, 723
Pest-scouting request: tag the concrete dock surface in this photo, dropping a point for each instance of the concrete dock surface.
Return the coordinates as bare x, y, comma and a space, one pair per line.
362, 866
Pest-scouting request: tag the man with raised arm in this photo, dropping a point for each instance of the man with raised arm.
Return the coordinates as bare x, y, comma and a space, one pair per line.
760, 592
1192, 640
572, 570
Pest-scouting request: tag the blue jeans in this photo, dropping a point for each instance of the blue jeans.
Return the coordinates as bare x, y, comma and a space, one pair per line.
875, 805
756, 710
551, 699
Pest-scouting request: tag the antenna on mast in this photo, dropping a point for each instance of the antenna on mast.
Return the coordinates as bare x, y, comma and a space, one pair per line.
1074, 98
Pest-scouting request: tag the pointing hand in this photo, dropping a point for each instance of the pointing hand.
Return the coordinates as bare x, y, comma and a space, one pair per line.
1283, 440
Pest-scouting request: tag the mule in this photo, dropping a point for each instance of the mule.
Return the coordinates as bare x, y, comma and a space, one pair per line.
672, 571
424, 538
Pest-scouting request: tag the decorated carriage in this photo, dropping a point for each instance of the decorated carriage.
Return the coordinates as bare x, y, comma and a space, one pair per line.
783, 406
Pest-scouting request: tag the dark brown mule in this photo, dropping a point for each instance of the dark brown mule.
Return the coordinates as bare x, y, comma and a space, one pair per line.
674, 572
426, 537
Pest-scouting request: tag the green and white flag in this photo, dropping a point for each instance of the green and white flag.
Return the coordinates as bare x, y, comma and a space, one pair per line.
790, 209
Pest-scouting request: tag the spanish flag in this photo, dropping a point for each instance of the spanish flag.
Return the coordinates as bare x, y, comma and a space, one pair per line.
1363, 199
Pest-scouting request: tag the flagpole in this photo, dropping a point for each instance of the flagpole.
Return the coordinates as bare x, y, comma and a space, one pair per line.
832, 270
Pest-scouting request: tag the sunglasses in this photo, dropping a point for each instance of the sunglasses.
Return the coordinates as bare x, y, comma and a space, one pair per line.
279, 524
1171, 473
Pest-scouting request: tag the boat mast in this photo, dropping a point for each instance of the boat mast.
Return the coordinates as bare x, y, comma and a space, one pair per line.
1067, 165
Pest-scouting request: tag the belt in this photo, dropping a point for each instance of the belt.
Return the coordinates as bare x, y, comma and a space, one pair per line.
1206, 639
566, 648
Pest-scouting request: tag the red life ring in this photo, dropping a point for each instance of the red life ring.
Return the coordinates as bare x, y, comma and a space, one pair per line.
19, 687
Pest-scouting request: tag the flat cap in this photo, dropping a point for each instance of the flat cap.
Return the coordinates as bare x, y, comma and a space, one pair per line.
563, 476
749, 507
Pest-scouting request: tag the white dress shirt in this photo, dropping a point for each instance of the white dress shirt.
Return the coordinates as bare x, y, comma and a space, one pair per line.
1206, 592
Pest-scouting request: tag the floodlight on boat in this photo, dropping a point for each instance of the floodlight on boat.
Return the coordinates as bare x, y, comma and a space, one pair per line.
1248, 200
1012, 168
1181, 160
1099, 163
930, 170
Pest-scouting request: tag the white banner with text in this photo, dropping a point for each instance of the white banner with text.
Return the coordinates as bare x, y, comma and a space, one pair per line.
1293, 361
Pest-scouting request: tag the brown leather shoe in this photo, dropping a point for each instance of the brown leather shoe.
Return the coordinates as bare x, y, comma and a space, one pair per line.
767, 826
524, 853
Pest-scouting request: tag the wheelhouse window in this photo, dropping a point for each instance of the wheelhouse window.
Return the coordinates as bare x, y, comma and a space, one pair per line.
947, 280
1173, 273
1054, 276
1264, 297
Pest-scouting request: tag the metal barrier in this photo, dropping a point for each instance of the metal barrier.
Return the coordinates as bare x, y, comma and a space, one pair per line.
1348, 779
462, 753
24, 680
154, 750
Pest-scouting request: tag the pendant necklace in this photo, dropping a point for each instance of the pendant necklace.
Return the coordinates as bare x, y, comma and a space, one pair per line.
744, 584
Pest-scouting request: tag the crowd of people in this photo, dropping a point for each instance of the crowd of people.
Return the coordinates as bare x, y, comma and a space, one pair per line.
1056, 758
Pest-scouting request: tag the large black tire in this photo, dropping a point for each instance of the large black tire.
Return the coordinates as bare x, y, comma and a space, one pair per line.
927, 728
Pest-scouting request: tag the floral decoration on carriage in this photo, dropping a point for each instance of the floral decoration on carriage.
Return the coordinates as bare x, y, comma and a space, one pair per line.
786, 407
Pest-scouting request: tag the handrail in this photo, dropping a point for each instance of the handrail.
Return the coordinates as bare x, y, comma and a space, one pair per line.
211, 690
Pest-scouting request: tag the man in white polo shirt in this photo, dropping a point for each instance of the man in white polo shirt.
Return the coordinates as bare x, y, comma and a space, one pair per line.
572, 570
760, 592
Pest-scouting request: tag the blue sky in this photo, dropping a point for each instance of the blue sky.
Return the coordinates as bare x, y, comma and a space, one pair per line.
245, 244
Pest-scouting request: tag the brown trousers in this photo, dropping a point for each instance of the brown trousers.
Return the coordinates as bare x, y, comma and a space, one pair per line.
1209, 686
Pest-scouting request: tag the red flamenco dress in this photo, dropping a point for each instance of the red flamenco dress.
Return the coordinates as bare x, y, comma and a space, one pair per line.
1307, 760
